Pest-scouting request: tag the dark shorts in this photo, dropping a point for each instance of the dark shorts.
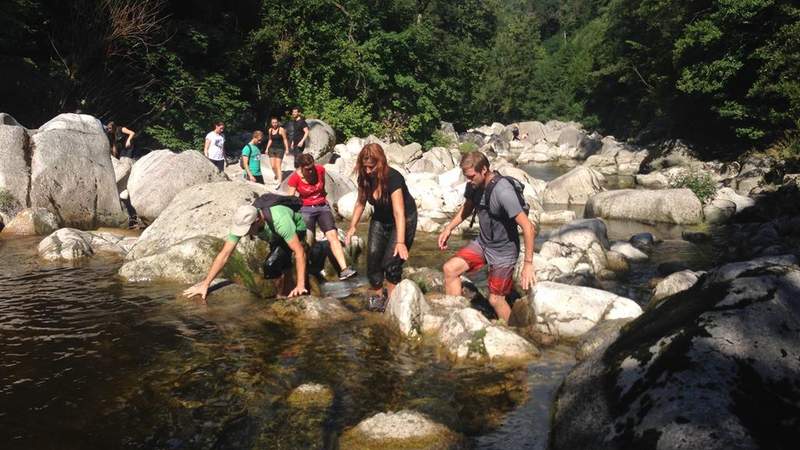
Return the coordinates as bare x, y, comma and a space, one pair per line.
381, 240
321, 215
220, 164
501, 272
276, 152
259, 178
279, 259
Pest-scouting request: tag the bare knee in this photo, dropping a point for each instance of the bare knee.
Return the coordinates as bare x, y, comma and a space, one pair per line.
454, 267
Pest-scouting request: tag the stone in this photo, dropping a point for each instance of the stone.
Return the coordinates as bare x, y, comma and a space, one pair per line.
122, 171
742, 202
574, 187
310, 311
72, 174
406, 307
669, 267
184, 261
569, 311
599, 337
556, 217
311, 395
501, 343
617, 262
643, 241
397, 431
462, 333
655, 180
629, 251
15, 172
347, 204
436, 160
678, 206
66, 244
713, 367
428, 279
719, 211
321, 138
32, 222
672, 284
428, 225
161, 174
402, 155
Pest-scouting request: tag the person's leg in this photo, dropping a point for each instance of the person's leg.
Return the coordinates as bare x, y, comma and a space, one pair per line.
468, 259
328, 226
260, 179
393, 265
501, 282
377, 240
276, 168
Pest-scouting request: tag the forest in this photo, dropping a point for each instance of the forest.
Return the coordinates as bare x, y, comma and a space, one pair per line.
724, 75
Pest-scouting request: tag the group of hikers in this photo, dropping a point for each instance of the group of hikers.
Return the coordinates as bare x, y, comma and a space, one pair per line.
283, 220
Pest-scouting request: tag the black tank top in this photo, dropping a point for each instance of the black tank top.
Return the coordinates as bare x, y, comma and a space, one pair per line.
277, 139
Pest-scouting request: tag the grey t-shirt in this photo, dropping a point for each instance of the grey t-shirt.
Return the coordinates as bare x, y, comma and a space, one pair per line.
500, 240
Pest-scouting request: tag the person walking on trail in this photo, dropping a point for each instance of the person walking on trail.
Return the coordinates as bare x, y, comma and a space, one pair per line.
214, 147
308, 181
277, 144
121, 139
277, 220
251, 159
393, 224
299, 132
500, 210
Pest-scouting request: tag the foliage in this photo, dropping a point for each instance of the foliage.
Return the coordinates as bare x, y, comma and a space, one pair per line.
701, 183
466, 147
788, 147
8, 203
349, 118
440, 139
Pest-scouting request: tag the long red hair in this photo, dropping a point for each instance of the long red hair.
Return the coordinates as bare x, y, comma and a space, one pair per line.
373, 154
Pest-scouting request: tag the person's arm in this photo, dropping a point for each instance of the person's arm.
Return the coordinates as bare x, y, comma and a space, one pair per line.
282, 131
130, 134
305, 135
201, 288
300, 266
399, 213
358, 210
463, 212
205, 147
528, 277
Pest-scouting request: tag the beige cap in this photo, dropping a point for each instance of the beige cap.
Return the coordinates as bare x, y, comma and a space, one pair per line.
243, 219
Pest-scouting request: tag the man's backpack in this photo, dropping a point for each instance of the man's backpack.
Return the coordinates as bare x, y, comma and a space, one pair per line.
241, 157
268, 200
519, 188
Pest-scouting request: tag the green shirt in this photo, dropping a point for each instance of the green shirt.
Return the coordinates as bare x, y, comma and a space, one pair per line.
286, 221
254, 153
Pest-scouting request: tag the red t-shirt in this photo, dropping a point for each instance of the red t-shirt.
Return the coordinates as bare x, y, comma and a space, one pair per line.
311, 194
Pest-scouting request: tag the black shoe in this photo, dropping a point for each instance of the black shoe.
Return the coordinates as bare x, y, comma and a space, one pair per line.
377, 303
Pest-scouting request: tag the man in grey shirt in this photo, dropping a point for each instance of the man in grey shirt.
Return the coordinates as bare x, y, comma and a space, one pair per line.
498, 242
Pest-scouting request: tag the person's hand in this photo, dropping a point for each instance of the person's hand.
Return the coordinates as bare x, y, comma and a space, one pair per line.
443, 237
252, 178
128, 143
200, 289
401, 250
348, 236
528, 277
298, 290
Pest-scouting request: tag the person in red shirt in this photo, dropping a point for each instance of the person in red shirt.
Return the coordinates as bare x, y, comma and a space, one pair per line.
308, 181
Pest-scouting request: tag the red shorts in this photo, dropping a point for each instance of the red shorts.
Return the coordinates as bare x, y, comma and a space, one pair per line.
501, 277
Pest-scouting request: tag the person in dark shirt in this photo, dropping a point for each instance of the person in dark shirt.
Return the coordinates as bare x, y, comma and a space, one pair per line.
393, 224
121, 139
299, 132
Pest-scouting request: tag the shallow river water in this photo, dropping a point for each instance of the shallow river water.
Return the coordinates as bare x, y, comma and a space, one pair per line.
89, 361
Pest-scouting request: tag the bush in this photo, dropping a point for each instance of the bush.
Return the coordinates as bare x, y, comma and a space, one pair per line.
466, 147
8, 204
701, 183
787, 148
440, 139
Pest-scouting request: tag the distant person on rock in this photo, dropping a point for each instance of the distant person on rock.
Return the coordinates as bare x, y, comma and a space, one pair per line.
277, 220
308, 181
214, 147
277, 144
251, 158
299, 132
121, 139
393, 224
500, 209
515, 135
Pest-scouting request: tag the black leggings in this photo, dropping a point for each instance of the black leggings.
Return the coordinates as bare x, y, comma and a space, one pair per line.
381, 240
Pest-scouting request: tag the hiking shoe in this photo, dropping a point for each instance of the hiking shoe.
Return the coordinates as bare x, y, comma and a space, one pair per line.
347, 273
376, 303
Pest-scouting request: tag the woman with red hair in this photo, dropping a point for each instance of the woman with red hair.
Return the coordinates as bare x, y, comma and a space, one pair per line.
393, 224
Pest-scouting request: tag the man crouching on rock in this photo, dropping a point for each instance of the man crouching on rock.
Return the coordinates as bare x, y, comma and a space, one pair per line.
279, 224
500, 208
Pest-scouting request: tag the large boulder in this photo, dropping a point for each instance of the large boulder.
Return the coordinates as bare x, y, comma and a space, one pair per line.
467, 334
184, 261
347, 203
402, 155
399, 430
72, 174
574, 187
15, 172
579, 246
407, 306
713, 367
435, 160
321, 138
615, 158
678, 206
157, 177
32, 222
204, 210
122, 170
567, 311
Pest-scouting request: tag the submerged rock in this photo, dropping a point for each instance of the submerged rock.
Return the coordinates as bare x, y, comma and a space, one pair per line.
311, 395
69, 243
310, 311
713, 367
399, 431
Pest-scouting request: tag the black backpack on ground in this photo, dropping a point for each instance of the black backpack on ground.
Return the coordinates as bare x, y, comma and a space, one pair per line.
519, 188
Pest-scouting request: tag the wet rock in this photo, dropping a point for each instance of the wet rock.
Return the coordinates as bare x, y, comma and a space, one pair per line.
310, 311
679, 206
406, 308
160, 175
428, 280
674, 283
599, 337
643, 241
441, 306
574, 187
569, 311
32, 222
311, 395
712, 367
186, 261
399, 430
629, 251
556, 217
72, 174
347, 204
66, 244
501, 343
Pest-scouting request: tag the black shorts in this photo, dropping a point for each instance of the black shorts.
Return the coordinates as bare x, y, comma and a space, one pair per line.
276, 152
259, 178
220, 164
381, 240
319, 214
279, 259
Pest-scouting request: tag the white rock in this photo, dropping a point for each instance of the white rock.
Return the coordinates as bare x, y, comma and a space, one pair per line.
347, 203
32, 222
678, 206
406, 308
574, 187
629, 251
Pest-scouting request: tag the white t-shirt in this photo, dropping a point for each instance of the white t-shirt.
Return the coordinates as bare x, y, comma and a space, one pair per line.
216, 148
